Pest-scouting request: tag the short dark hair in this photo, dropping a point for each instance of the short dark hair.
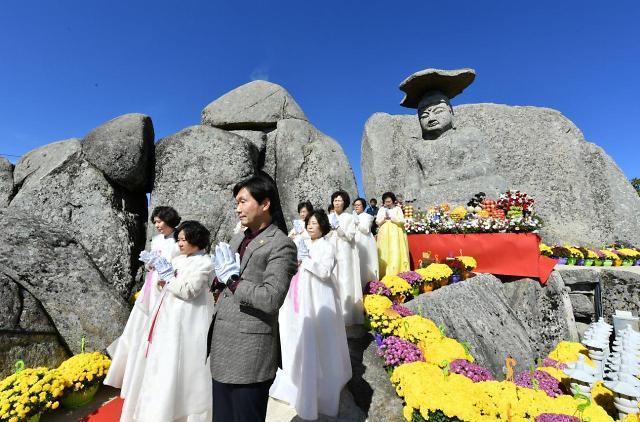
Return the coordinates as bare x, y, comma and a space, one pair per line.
373, 200
389, 195
194, 233
261, 186
342, 194
362, 200
323, 221
305, 204
167, 214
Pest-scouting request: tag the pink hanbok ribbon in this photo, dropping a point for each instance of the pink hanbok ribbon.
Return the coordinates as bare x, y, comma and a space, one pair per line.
146, 289
293, 290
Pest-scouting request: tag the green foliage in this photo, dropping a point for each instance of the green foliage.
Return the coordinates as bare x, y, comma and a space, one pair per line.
436, 416
636, 184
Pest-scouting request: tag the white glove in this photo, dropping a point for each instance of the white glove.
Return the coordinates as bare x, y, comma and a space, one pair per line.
165, 269
298, 226
303, 251
146, 257
333, 220
226, 263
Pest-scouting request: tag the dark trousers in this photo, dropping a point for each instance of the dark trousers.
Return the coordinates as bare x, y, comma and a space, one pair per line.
240, 402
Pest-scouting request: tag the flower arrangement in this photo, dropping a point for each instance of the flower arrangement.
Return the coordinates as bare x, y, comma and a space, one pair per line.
375, 287
397, 285
396, 351
435, 272
457, 396
539, 380
545, 250
627, 253
29, 392
473, 371
84, 370
513, 213
568, 351
515, 202
555, 417
444, 349
609, 254
411, 277
469, 262
574, 252
414, 349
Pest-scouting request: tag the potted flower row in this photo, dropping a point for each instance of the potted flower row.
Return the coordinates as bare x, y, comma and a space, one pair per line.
414, 349
410, 284
571, 255
28, 393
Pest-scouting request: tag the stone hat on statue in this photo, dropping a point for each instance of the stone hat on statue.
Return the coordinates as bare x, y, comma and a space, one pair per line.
448, 82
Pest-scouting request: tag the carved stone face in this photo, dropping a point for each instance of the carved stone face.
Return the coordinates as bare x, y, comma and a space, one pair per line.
435, 115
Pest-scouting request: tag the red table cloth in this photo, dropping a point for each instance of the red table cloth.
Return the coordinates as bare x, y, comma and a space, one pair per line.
514, 254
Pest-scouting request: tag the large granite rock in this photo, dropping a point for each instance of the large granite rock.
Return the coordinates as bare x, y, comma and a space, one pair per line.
6, 182
305, 163
477, 311
122, 149
196, 170
256, 105
46, 271
25, 330
580, 193
309, 165
370, 384
36, 164
68, 191
546, 311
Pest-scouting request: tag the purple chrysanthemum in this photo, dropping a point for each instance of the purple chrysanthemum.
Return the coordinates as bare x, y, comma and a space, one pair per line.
397, 351
411, 277
555, 417
376, 287
554, 363
543, 381
474, 372
402, 310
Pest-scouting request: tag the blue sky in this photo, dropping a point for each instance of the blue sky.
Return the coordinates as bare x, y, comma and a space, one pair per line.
68, 66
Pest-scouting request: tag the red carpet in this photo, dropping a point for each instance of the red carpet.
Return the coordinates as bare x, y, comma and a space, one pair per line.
109, 412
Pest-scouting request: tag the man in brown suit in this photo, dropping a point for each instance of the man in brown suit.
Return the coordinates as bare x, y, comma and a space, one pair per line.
254, 273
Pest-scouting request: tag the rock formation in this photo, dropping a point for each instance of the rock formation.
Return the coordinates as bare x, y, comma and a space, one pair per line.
581, 194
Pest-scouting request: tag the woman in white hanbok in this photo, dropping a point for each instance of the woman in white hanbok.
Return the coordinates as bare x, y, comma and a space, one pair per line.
347, 269
315, 355
365, 242
298, 231
122, 350
172, 379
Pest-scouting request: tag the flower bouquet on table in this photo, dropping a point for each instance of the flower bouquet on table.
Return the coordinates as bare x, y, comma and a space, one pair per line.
83, 374
26, 394
469, 263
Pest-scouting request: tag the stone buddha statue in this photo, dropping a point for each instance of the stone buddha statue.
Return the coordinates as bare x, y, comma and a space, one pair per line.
451, 163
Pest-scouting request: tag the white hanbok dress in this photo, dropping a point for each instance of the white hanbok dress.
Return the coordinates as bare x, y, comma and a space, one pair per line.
347, 269
315, 356
172, 379
367, 248
123, 349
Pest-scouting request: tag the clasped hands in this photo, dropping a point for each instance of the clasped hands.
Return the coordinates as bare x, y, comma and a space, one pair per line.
226, 263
